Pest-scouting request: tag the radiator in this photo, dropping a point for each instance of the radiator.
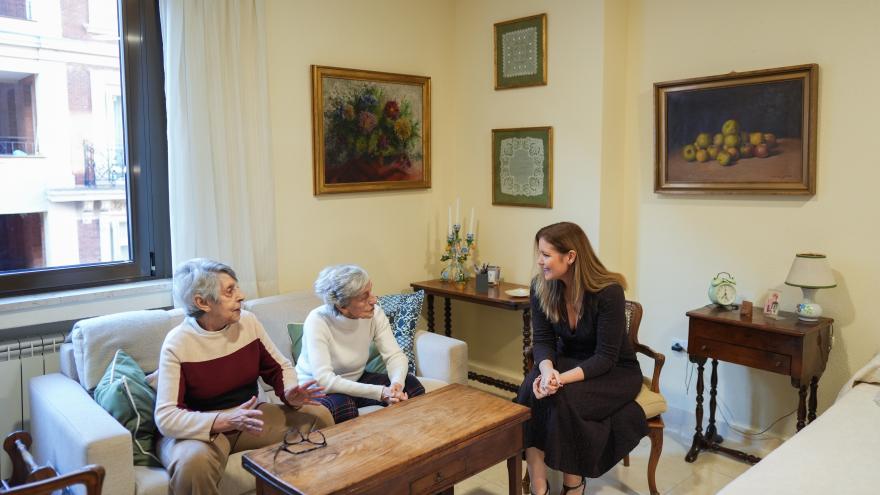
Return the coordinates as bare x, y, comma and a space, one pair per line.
21, 360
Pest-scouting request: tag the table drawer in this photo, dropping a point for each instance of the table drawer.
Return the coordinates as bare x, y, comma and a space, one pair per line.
435, 480
746, 356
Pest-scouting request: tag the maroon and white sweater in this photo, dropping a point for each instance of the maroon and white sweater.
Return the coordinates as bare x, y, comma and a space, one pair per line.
202, 373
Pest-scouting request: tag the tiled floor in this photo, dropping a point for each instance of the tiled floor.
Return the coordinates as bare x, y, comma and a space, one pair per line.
707, 475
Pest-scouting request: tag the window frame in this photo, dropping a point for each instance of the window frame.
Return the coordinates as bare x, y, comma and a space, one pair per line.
143, 81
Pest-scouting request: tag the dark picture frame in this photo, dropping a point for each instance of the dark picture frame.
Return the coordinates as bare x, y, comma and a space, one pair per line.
521, 52
739, 133
522, 167
371, 130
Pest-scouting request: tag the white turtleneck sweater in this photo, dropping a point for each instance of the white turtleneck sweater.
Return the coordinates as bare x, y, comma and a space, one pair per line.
336, 348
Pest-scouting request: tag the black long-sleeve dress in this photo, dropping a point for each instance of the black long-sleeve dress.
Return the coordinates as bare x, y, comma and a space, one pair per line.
589, 426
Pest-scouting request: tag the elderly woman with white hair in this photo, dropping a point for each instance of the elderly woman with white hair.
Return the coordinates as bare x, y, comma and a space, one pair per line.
206, 406
336, 346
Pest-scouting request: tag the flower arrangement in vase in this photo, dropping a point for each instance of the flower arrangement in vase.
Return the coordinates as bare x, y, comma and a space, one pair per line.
370, 136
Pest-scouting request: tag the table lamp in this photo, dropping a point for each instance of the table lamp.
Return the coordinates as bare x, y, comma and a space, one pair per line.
810, 272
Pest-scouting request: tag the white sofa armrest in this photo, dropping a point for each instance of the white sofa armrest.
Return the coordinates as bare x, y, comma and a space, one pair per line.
440, 357
71, 430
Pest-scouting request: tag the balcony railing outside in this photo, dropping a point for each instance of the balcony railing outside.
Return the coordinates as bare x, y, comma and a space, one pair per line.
17, 146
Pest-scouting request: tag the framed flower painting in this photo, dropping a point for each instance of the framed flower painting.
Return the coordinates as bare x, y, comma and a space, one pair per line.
371, 130
522, 167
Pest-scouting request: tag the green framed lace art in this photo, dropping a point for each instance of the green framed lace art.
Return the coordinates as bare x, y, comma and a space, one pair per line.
522, 167
521, 52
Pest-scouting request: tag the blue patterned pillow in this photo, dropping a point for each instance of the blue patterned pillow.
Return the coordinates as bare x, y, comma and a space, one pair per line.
403, 311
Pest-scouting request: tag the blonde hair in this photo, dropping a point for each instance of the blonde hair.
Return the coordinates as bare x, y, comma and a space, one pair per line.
590, 275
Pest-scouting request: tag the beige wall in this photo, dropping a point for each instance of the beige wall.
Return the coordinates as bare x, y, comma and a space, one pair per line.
675, 245
572, 104
392, 234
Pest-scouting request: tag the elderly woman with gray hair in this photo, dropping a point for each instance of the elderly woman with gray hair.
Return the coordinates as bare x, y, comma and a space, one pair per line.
206, 406
336, 346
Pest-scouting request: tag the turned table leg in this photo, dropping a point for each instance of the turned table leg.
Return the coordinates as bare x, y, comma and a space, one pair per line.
527, 337
447, 313
431, 313
698, 434
802, 408
814, 388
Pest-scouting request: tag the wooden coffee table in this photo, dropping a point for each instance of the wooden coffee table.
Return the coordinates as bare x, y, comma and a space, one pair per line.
424, 445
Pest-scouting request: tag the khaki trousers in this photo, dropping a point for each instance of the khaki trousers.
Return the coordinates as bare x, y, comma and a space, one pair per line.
196, 466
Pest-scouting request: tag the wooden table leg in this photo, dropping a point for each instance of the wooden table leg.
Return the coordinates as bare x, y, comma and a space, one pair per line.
514, 474
814, 388
698, 434
802, 408
711, 429
447, 312
527, 337
431, 313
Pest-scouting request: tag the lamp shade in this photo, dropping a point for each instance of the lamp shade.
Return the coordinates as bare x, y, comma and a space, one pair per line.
811, 271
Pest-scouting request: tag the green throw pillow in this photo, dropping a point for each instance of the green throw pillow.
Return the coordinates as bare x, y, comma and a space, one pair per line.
295, 332
375, 364
124, 393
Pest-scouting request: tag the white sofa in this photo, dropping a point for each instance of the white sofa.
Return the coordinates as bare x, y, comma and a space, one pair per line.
836, 453
70, 430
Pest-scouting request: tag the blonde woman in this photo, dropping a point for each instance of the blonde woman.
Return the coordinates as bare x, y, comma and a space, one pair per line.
586, 376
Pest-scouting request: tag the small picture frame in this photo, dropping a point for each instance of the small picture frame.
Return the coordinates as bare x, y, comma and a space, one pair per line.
521, 52
771, 305
522, 167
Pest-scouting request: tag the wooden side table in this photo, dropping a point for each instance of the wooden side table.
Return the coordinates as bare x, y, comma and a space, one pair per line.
496, 297
786, 346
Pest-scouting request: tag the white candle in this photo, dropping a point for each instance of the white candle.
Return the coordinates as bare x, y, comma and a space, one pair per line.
449, 221
471, 225
457, 211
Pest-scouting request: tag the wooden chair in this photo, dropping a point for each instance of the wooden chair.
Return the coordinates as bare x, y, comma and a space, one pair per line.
655, 424
30, 479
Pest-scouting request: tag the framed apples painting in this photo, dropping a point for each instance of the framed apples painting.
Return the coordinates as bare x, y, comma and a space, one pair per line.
371, 130
739, 133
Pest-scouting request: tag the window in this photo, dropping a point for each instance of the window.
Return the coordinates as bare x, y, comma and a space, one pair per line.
83, 152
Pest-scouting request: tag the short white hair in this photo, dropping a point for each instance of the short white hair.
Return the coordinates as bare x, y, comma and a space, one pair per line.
338, 284
198, 277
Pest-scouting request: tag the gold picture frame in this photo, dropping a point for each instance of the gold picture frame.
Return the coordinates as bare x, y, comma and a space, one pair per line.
521, 52
371, 130
522, 167
739, 133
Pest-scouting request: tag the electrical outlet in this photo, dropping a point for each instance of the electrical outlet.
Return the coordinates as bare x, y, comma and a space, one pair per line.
679, 345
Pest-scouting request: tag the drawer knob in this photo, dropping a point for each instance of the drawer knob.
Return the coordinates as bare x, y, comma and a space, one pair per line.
438, 478
704, 347
778, 363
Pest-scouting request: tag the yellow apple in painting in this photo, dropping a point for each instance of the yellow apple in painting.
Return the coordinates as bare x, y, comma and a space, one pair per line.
730, 127
689, 153
718, 140
703, 140
756, 138
713, 151
702, 156
733, 151
724, 159
731, 140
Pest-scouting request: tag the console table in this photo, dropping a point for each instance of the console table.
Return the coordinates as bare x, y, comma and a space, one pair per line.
787, 346
495, 297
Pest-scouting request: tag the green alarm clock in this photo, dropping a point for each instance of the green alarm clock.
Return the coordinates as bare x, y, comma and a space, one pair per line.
722, 289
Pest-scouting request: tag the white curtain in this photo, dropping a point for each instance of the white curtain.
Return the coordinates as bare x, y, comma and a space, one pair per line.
221, 186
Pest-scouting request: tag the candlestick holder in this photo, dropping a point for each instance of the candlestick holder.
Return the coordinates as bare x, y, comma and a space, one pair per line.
457, 251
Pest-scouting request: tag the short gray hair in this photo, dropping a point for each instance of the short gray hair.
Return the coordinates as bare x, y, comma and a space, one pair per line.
198, 277
338, 284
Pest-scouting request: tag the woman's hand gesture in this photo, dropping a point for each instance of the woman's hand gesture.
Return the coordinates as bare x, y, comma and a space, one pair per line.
246, 418
394, 393
306, 393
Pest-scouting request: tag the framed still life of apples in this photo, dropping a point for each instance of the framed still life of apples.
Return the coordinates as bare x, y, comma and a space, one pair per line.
739, 133
371, 130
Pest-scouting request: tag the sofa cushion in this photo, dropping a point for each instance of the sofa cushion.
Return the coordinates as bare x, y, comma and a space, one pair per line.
139, 333
275, 312
403, 311
124, 393
651, 402
295, 334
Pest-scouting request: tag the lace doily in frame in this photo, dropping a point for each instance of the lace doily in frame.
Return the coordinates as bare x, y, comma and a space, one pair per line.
521, 167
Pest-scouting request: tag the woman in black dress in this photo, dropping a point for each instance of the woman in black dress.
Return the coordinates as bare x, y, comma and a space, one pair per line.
586, 376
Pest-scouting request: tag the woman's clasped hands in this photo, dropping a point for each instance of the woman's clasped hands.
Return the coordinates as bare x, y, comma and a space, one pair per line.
547, 383
394, 393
